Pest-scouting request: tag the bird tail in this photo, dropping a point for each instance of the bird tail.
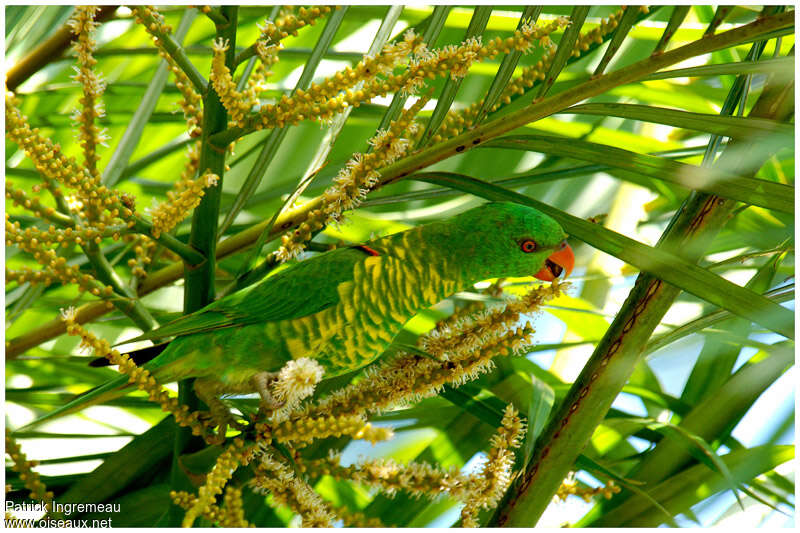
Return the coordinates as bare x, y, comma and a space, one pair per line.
140, 356
100, 394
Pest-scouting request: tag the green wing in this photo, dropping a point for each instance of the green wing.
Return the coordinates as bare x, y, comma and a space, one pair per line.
312, 285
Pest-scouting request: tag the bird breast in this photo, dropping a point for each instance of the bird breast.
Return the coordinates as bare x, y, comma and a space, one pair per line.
372, 309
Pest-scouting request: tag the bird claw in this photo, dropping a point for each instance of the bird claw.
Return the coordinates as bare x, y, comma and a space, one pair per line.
223, 421
261, 382
218, 438
218, 412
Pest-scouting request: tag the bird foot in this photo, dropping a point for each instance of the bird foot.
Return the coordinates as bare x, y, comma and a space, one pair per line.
218, 437
223, 421
261, 383
217, 412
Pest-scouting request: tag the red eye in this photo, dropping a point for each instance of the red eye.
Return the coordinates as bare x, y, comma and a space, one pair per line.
528, 246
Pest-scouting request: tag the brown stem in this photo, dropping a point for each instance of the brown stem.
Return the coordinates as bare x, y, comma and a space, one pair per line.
48, 51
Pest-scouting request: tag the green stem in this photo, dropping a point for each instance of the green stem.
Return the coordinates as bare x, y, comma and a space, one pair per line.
56, 217
216, 16
176, 52
189, 254
199, 279
128, 303
246, 54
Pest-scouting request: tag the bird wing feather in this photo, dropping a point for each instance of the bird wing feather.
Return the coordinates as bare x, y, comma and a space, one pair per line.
312, 285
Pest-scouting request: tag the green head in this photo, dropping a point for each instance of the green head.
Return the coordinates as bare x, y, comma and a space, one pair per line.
502, 239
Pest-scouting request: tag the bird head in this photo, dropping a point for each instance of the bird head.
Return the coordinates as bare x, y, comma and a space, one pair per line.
503, 239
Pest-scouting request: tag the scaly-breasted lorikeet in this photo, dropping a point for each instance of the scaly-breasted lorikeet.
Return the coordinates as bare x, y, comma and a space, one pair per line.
343, 308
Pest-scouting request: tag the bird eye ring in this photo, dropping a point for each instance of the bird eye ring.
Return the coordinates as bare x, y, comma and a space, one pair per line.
528, 246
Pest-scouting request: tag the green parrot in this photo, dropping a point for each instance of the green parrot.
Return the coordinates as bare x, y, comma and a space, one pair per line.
343, 308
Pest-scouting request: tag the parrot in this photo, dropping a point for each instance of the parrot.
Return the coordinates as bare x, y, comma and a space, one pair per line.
341, 308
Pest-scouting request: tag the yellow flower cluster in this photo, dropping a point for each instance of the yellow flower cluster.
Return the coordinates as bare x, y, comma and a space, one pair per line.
457, 59
352, 184
411, 377
52, 164
495, 290
237, 103
356, 519
289, 23
373, 434
33, 204
82, 24
190, 168
191, 103
271, 476
185, 195
268, 55
138, 376
178, 204
39, 277
31, 479
459, 120
418, 479
55, 268
305, 429
482, 490
279, 480
235, 454
266, 48
570, 487
469, 333
32, 239
37, 243
229, 515
93, 213
488, 487
320, 102
596, 34
325, 100
233, 516
143, 248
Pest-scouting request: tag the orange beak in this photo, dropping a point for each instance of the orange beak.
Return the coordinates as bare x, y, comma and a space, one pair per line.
562, 260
